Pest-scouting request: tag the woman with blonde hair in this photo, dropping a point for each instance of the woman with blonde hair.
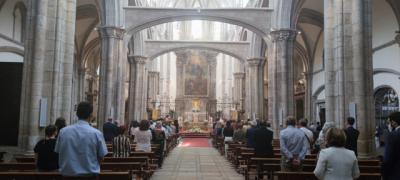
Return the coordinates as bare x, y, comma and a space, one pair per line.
336, 162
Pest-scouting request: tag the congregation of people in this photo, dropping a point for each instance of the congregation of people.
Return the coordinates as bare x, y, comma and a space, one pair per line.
335, 148
77, 150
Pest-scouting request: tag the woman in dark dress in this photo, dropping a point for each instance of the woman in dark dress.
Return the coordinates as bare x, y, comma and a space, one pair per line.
45, 157
159, 138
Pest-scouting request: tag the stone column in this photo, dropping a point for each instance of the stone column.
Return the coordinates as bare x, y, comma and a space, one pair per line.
136, 82
280, 78
154, 79
181, 58
111, 101
349, 78
254, 103
238, 95
211, 57
48, 67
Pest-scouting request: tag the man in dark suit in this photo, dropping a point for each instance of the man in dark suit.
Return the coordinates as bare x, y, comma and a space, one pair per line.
351, 135
250, 134
110, 130
263, 141
391, 159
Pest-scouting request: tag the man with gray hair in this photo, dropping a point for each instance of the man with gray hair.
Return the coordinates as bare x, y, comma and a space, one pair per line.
293, 147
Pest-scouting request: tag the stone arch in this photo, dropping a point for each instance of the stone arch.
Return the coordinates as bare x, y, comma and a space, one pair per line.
287, 13
12, 49
197, 48
255, 20
318, 91
234, 49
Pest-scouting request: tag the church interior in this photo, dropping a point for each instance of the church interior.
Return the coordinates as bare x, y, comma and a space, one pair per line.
200, 63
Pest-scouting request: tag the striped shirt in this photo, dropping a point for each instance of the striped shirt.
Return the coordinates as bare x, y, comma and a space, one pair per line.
121, 146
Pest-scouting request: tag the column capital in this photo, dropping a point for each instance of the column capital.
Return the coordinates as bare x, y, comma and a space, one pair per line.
137, 59
111, 32
238, 75
284, 35
155, 73
255, 61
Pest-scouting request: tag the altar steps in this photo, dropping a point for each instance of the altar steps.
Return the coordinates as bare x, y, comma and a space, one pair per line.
195, 135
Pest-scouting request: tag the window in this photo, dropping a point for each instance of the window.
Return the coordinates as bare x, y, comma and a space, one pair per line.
19, 15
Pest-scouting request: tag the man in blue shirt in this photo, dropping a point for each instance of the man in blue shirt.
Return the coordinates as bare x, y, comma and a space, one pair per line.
293, 144
80, 146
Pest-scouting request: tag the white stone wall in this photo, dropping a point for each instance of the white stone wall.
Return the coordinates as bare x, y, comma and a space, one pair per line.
384, 26
10, 37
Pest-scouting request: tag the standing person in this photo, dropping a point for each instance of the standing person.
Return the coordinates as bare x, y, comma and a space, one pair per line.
60, 123
81, 147
391, 158
45, 157
159, 138
292, 145
176, 123
351, 135
336, 162
263, 141
308, 134
240, 134
228, 134
321, 141
134, 126
121, 145
143, 137
110, 130
250, 134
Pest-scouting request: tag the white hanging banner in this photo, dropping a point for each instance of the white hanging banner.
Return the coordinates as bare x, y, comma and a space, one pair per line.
43, 112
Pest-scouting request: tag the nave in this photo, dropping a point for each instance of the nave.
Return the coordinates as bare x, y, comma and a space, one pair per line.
196, 163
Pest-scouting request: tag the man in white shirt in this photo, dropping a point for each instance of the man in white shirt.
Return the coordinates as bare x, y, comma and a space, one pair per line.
309, 135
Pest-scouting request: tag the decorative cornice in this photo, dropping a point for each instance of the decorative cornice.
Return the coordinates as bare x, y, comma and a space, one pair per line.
238, 75
137, 59
111, 32
255, 61
284, 35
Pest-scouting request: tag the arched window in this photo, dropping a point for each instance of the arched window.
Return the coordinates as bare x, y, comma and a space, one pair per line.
19, 15
386, 102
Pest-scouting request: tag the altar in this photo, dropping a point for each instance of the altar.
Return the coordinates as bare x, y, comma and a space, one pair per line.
195, 100
196, 122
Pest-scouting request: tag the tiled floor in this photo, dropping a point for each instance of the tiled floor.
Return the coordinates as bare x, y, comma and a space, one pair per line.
196, 163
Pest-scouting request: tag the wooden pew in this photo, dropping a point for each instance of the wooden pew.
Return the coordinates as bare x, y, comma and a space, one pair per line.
311, 176
17, 167
57, 176
25, 159
133, 167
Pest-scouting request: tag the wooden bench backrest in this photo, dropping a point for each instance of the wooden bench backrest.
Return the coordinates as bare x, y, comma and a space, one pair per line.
17, 167
141, 159
311, 176
57, 176
25, 159
124, 166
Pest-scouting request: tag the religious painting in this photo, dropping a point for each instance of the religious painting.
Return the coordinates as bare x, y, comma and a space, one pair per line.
195, 105
196, 75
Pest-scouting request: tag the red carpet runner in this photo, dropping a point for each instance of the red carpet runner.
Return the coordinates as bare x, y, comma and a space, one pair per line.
195, 142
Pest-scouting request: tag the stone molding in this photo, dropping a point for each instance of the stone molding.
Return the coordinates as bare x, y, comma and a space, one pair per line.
111, 32
284, 35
